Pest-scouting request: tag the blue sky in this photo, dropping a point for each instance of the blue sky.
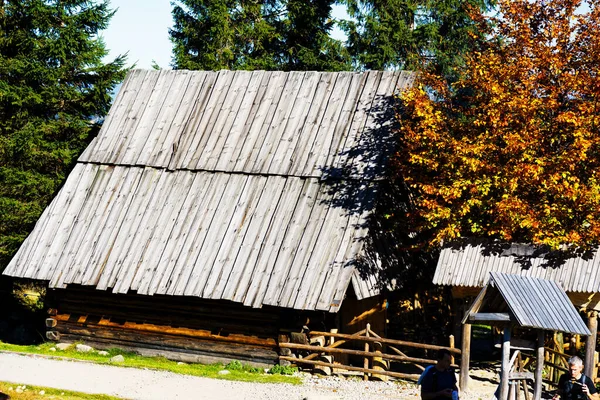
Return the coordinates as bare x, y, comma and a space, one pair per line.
141, 27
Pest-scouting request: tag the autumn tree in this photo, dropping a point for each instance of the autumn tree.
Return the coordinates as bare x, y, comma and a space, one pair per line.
54, 90
511, 151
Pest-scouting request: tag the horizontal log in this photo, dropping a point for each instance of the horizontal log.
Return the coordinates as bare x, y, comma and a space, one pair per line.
559, 367
50, 322
165, 341
53, 335
185, 355
335, 344
558, 353
489, 317
386, 341
520, 375
52, 311
351, 368
392, 357
268, 342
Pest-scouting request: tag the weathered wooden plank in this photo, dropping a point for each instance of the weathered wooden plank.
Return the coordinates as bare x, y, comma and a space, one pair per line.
205, 128
173, 99
135, 257
165, 226
218, 228
95, 204
188, 138
255, 239
245, 208
65, 221
322, 146
313, 121
244, 124
228, 115
277, 127
39, 248
188, 267
298, 239
108, 235
343, 161
147, 120
122, 134
234, 137
222, 124
99, 148
131, 222
184, 231
282, 159
277, 231
263, 120
344, 123
376, 137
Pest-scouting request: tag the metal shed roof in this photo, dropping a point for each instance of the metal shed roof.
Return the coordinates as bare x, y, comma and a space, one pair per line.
534, 303
253, 187
470, 265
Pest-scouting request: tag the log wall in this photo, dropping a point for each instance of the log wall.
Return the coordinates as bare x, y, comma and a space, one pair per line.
180, 328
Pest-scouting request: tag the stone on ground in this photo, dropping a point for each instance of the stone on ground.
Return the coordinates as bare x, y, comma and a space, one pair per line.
84, 348
118, 359
63, 346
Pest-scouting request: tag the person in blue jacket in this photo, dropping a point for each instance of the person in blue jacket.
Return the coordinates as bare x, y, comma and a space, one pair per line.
438, 382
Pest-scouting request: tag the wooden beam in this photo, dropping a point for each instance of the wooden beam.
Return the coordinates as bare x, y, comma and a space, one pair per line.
334, 345
476, 304
386, 341
350, 368
465, 357
539, 368
590, 344
322, 349
505, 364
490, 317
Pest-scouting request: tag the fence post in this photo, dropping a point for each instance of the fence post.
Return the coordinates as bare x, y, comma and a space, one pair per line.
451, 345
366, 363
590, 345
465, 357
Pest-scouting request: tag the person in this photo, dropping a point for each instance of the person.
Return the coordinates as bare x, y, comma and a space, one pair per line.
574, 385
439, 382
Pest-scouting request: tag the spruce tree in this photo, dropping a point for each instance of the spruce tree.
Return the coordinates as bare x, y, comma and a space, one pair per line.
391, 34
249, 34
54, 91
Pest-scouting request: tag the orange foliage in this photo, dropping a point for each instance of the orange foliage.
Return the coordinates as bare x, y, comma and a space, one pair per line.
511, 150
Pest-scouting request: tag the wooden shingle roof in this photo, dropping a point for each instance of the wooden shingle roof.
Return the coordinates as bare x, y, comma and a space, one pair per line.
531, 302
252, 187
470, 266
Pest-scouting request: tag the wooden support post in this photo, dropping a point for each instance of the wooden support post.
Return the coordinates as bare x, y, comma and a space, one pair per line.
539, 368
465, 357
451, 345
366, 363
590, 345
595, 374
505, 363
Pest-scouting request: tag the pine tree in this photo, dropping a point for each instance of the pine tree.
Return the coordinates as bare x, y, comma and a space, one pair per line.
248, 34
384, 34
54, 90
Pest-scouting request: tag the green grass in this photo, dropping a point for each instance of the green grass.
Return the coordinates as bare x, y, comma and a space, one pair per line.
33, 393
133, 360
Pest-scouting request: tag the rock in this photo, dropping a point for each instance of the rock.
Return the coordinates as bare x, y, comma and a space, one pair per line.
63, 346
181, 363
224, 372
19, 390
52, 349
42, 392
83, 348
103, 353
118, 359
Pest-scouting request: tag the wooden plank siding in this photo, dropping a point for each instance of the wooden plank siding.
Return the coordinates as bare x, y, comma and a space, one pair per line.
253, 187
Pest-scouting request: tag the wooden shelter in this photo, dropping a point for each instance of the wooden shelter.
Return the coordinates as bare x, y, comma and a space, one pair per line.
467, 268
216, 211
513, 300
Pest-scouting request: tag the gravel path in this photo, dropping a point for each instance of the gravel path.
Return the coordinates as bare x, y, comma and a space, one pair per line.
130, 383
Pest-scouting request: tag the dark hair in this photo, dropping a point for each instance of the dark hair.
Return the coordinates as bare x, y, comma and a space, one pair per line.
443, 353
4, 396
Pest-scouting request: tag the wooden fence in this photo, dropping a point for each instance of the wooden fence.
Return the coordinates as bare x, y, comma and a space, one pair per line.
376, 350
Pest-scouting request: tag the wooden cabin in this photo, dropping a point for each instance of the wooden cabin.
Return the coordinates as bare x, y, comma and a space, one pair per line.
467, 267
218, 212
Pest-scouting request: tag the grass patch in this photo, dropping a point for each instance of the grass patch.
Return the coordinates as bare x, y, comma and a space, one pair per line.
237, 370
33, 393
